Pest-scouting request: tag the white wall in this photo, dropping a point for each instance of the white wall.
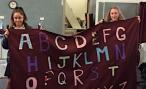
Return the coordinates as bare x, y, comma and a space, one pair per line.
124, 1
127, 1
79, 7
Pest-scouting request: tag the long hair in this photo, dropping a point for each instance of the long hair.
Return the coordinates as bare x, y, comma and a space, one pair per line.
21, 11
108, 17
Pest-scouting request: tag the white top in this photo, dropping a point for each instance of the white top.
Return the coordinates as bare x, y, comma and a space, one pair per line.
23, 27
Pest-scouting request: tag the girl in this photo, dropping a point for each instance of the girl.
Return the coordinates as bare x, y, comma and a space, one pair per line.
18, 21
114, 14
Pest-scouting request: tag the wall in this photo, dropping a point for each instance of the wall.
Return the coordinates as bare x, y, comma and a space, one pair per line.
51, 10
133, 8
128, 1
79, 7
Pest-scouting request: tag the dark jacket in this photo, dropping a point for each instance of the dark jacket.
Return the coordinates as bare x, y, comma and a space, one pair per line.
4, 42
5, 45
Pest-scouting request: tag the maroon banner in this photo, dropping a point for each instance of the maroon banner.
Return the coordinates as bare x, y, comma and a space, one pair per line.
103, 57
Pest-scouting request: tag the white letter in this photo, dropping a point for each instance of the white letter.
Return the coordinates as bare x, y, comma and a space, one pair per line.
49, 62
76, 78
113, 69
123, 84
34, 83
123, 37
25, 39
77, 41
63, 61
56, 41
104, 34
75, 60
61, 82
94, 39
109, 88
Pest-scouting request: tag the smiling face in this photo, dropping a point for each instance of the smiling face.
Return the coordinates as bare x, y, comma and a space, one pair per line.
18, 19
114, 14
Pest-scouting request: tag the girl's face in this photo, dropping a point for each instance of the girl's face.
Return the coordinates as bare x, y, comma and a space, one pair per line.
114, 14
18, 19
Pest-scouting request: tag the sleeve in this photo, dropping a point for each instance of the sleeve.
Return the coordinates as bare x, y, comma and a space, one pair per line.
4, 43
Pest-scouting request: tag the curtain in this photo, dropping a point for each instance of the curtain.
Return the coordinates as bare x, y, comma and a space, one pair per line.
142, 14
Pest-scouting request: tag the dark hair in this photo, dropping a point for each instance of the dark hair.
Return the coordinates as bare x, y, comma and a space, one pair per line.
21, 11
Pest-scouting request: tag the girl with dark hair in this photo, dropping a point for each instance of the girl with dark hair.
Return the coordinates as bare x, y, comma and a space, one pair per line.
18, 21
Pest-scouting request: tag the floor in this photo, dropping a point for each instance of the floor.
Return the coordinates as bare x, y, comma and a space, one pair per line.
2, 83
141, 84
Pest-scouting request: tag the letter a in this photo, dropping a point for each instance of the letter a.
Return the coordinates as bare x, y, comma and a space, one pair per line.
25, 39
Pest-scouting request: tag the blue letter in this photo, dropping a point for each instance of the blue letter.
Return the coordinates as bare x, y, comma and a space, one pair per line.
120, 51
86, 59
94, 73
32, 63
105, 49
44, 43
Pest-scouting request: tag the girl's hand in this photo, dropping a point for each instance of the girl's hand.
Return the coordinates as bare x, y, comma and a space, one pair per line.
101, 21
138, 17
6, 34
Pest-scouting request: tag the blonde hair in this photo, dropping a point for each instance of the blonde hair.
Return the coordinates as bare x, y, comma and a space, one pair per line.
108, 17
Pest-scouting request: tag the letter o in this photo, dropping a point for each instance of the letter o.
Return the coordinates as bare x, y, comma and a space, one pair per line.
34, 83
